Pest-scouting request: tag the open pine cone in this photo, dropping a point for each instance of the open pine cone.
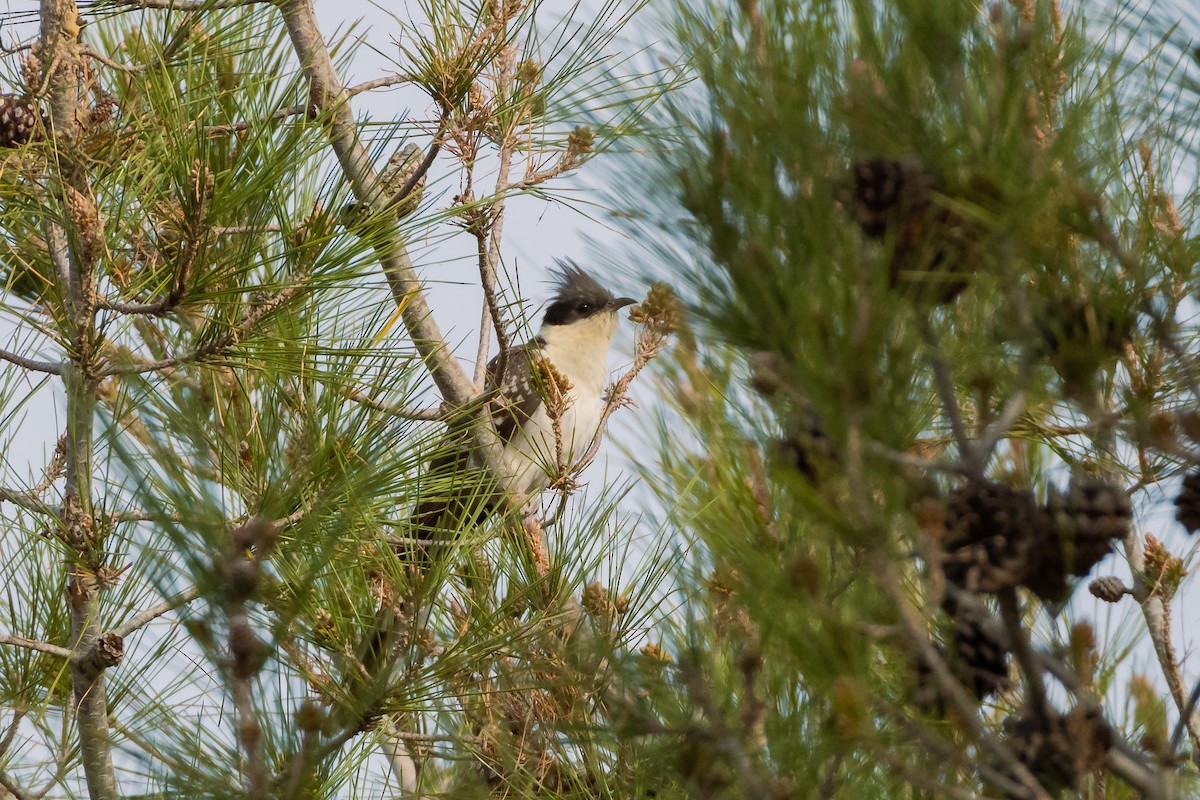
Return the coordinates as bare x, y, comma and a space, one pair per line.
1059, 749
930, 243
18, 121
990, 530
981, 653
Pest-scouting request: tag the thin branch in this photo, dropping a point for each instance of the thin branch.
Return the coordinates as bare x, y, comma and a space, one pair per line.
144, 618
434, 414
402, 194
27, 501
1010, 612
18, 791
187, 5
49, 367
488, 232
1188, 711
945, 385
11, 733
950, 689
910, 460
33, 644
298, 111
96, 55
194, 243
649, 345
483, 347
216, 345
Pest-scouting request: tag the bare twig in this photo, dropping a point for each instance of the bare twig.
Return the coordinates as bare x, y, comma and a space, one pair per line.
436, 413
409, 185
17, 790
649, 345
33, 644
297, 111
11, 733
488, 231
27, 500
945, 386
1185, 715
144, 618
48, 367
96, 55
1010, 611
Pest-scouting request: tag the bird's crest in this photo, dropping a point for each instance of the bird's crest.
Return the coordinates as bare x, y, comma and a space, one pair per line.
574, 283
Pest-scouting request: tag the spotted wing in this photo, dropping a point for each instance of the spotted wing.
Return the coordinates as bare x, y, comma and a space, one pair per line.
519, 395
516, 401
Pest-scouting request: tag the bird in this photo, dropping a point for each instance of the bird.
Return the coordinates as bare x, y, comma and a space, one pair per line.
576, 331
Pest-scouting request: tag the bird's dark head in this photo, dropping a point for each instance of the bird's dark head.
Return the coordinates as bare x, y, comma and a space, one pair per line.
579, 297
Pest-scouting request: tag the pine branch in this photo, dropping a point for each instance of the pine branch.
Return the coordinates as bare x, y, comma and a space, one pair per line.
434, 414
48, 367
18, 791
33, 644
216, 346
60, 42
330, 98
141, 619
187, 5
27, 500
297, 111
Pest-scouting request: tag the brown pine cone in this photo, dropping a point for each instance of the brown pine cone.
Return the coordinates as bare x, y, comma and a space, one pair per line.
931, 244
887, 191
981, 653
1059, 749
18, 121
1083, 525
807, 447
1187, 504
1109, 588
989, 531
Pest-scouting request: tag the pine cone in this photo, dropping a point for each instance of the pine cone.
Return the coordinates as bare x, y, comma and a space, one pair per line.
981, 653
18, 121
1084, 524
1059, 749
807, 447
931, 244
399, 170
886, 191
1187, 504
1078, 337
1110, 589
990, 528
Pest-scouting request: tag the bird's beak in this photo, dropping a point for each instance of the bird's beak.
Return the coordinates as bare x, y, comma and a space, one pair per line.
621, 302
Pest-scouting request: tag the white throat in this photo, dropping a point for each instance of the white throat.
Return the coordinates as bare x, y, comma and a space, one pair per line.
580, 352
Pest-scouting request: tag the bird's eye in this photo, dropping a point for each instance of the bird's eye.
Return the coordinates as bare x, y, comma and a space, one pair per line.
583, 308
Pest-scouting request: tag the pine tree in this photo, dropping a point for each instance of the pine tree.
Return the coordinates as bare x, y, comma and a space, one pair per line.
937, 369
202, 245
